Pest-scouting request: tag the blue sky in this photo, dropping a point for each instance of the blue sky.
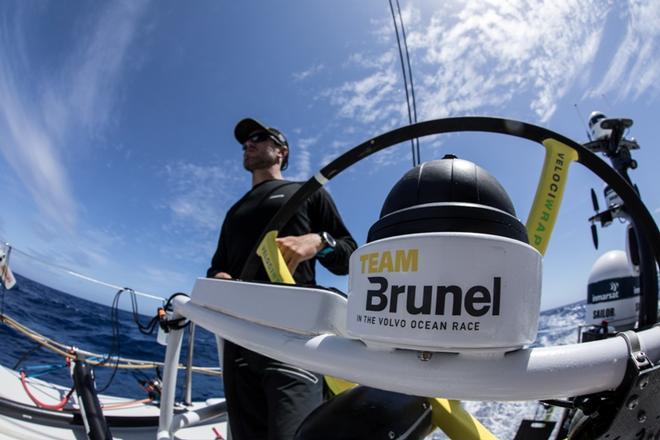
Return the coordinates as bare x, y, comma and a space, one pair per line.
117, 158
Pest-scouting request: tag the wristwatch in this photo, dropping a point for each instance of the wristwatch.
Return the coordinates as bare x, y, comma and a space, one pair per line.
329, 244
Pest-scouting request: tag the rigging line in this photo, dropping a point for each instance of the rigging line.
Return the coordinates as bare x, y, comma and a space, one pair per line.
410, 77
63, 350
115, 348
79, 275
102, 283
405, 79
582, 121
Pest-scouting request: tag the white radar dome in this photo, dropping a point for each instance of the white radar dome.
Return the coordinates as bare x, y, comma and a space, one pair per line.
613, 291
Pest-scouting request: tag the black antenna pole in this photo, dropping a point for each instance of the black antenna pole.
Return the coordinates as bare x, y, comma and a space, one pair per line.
410, 76
579, 113
405, 79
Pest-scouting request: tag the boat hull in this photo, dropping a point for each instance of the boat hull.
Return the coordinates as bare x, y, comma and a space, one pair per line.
21, 419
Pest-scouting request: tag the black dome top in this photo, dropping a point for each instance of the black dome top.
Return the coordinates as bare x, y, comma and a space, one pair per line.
447, 180
448, 195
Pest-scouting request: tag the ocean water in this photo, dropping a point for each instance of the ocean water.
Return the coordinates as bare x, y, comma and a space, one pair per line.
74, 321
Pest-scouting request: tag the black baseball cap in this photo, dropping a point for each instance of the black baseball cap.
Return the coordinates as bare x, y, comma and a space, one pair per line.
249, 125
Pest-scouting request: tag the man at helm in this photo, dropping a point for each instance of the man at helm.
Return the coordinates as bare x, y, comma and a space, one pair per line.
267, 398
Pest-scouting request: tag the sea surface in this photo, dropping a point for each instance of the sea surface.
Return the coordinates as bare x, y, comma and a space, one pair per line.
76, 322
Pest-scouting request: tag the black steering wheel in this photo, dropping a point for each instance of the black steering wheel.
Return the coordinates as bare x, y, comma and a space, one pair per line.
641, 219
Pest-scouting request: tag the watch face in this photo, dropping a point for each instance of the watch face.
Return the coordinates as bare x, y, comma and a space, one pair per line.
329, 240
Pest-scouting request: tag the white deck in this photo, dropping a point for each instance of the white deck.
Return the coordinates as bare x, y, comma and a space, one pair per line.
16, 429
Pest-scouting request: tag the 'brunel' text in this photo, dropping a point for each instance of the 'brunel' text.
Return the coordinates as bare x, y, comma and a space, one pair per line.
477, 300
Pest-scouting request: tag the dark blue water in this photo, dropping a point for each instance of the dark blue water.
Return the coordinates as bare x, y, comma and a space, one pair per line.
77, 322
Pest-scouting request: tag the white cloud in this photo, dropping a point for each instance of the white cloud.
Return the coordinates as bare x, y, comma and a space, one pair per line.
201, 194
368, 99
86, 249
476, 57
305, 74
197, 199
97, 66
162, 281
364, 61
495, 52
391, 156
635, 70
335, 148
30, 152
40, 115
302, 158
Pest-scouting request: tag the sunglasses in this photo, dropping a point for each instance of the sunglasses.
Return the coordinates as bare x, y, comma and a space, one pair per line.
258, 137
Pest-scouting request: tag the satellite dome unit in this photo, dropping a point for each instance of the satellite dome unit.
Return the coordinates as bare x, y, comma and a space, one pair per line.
596, 131
447, 267
613, 292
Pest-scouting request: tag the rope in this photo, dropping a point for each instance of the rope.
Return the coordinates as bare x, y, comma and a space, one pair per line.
119, 405
25, 356
64, 351
405, 80
62, 403
56, 407
44, 371
148, 329
410, 76
77, 274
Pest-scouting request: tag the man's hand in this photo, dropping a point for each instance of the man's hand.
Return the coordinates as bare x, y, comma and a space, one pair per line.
222, 275
295, 250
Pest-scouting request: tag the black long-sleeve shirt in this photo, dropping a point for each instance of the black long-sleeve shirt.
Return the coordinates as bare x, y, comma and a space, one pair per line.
246, 220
